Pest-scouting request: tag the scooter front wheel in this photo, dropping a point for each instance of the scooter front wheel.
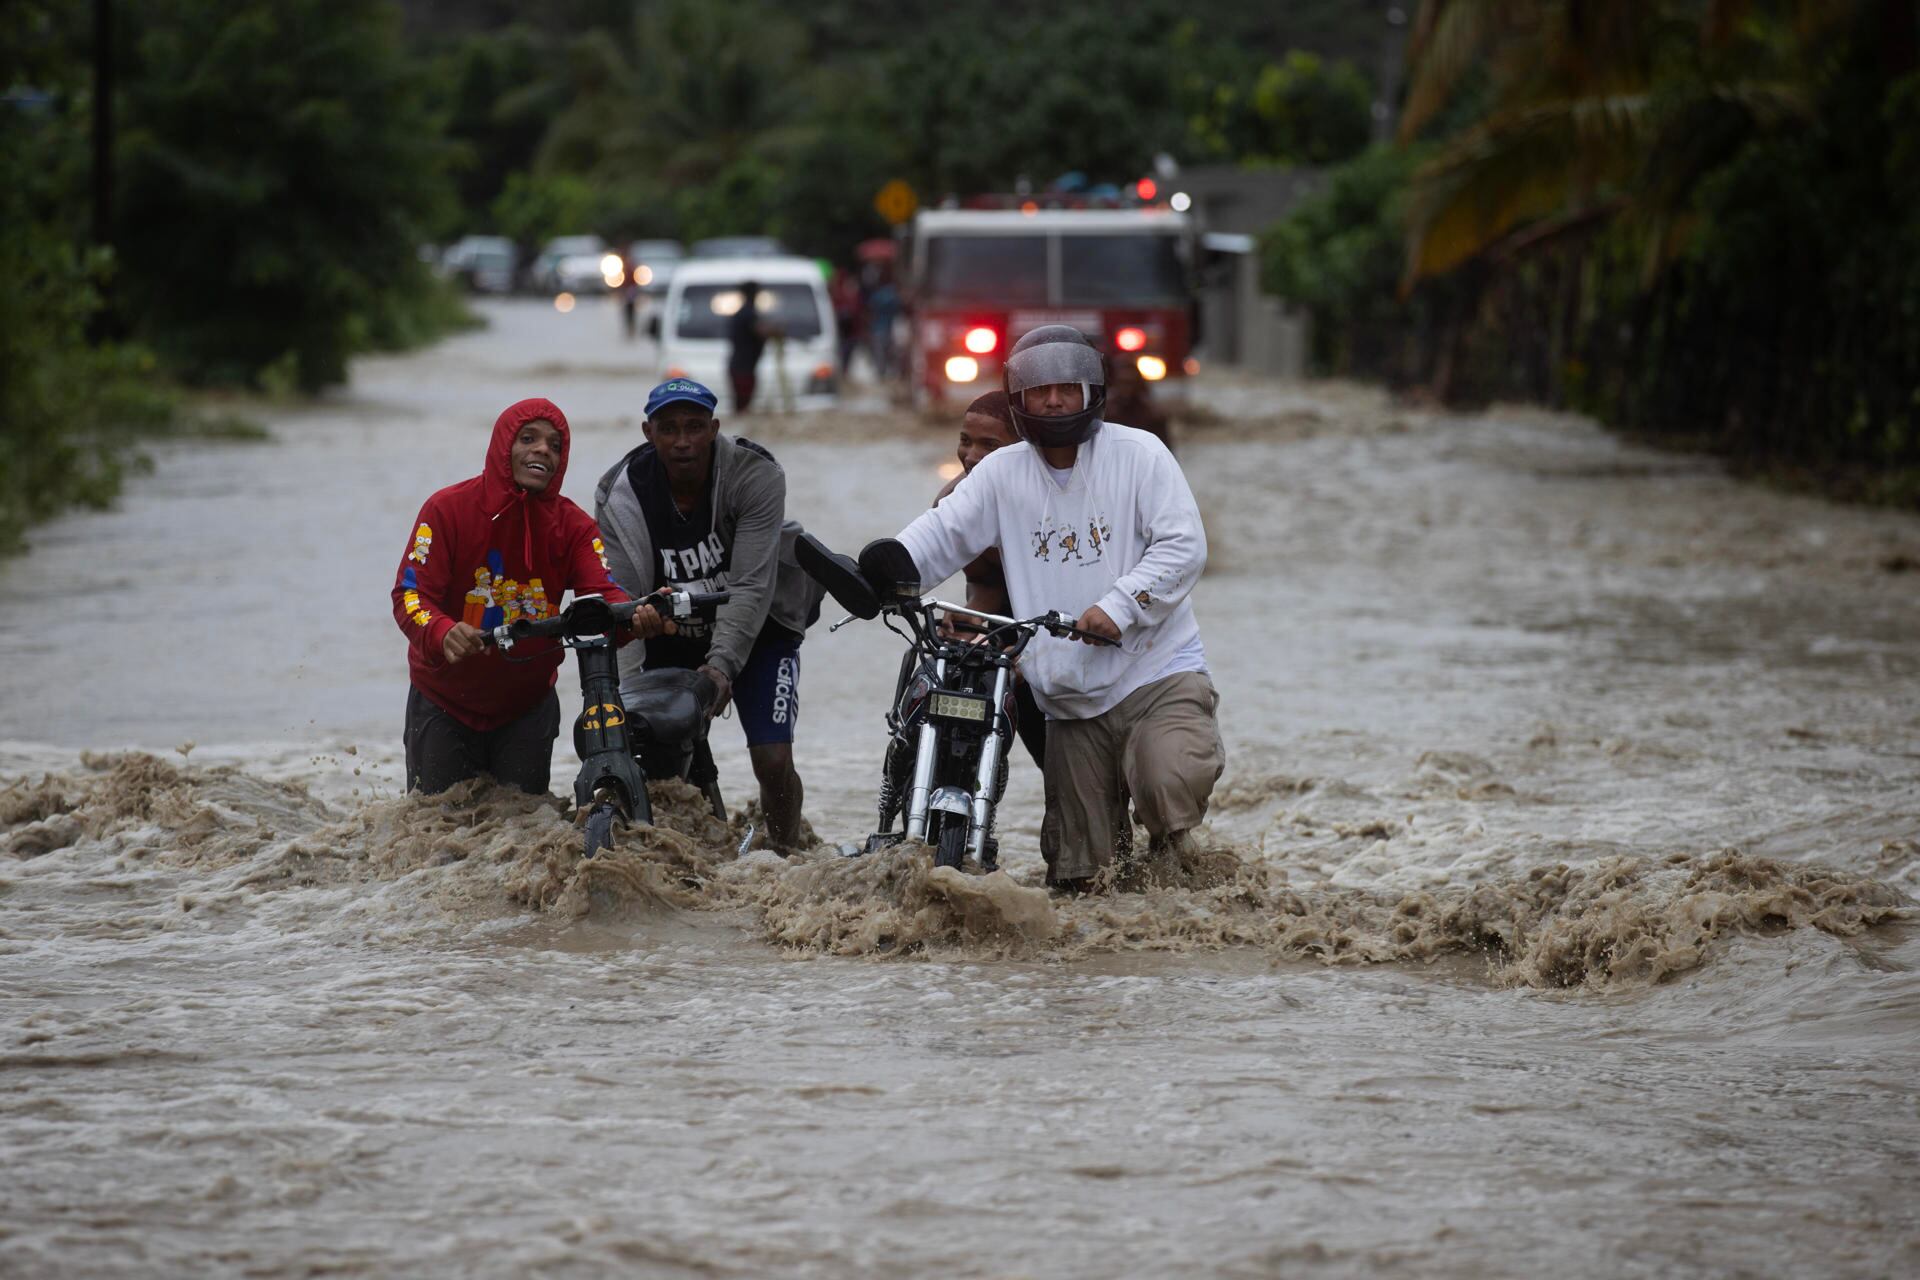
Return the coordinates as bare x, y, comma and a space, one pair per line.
601, 822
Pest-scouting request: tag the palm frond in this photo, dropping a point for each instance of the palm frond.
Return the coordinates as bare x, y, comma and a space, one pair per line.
1449, 37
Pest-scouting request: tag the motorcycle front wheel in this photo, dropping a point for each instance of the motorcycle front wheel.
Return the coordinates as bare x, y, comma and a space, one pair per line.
951, 850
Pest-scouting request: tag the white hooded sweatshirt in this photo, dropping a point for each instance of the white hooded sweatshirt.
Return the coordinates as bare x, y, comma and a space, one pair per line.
1124, 533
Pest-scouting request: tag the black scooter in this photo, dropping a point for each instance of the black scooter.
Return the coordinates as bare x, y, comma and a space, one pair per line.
662, 734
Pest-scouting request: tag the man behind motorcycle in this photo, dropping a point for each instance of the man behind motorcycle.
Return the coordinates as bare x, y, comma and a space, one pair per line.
1096, 520
986, 426
701, 510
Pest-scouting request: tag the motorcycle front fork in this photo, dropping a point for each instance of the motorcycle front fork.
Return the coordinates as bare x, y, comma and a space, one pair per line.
920, 791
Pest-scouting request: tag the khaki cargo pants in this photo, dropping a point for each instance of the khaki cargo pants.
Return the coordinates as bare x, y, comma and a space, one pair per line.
1161, 746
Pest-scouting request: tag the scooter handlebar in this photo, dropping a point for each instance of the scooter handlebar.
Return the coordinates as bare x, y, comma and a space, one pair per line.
567, 624
681, 605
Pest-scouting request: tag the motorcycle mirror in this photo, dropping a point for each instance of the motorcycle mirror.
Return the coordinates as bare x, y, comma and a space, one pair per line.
839, 575
888, 566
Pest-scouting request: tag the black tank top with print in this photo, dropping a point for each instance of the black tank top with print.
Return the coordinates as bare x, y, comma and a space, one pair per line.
688, 552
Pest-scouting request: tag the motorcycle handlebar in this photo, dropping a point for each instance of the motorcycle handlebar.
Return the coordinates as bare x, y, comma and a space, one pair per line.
1054, 622
1061, 625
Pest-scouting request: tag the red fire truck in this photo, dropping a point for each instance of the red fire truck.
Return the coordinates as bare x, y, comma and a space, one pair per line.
978, 279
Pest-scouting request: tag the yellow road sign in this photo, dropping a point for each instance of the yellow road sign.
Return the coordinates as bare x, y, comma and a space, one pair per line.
896, 202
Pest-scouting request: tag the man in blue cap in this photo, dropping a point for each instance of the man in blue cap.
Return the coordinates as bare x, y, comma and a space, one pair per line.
704, 511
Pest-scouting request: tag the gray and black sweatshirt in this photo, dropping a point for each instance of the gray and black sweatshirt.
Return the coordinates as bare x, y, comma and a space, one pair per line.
745, 544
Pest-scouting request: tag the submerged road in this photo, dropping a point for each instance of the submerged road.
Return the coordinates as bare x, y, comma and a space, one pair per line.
1594, 774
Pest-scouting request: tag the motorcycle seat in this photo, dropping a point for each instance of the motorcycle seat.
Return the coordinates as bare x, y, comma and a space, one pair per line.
670, 704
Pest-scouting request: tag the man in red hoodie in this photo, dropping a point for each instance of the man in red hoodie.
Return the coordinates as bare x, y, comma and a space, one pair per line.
500, 546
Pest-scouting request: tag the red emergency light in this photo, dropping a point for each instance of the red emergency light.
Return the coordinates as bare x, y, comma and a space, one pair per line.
1146, 188
1130, 339
980, 340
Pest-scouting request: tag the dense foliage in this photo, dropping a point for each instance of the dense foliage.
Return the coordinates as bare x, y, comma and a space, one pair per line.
1697, 221
277, 164
284, 232
711, 117
67, 396
273, 171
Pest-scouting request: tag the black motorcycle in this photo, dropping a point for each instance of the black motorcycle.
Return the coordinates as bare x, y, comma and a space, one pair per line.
954, 712
661, 734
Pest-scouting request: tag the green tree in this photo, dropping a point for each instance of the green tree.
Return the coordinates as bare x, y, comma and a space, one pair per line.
276, 173
1694, 219
1596, 112
1078, 89
1310, 111
533, 210
496, 94
68, 404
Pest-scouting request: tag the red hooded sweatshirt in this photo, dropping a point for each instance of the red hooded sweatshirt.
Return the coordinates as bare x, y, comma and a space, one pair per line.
486, 551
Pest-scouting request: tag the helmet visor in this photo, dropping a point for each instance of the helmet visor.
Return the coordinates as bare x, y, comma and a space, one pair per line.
1054, 362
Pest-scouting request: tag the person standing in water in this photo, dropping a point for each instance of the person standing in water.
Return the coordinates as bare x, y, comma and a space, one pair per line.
500, 546
987, 426
1095, 520
696, 509
747, 339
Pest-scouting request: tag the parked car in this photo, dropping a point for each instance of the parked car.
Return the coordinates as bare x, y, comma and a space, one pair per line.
704, 297
570, 264
485, 264
653, 262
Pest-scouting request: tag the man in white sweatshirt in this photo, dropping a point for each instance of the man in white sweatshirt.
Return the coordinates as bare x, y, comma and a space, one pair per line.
1093, 519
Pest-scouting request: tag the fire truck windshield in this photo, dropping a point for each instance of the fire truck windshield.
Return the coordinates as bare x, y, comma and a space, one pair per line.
1120, 269
997, 270
1094, 270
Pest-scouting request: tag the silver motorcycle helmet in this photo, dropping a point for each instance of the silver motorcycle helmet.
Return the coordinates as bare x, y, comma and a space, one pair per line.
1056, 353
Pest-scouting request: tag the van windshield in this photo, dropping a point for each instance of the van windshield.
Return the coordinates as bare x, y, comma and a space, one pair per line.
1002, 270
706, 309
1122, 268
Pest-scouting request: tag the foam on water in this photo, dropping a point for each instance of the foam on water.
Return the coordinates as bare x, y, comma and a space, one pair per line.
481, 853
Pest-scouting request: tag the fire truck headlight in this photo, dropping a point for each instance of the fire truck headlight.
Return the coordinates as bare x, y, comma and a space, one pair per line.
981, 340
1152, 368
966, 369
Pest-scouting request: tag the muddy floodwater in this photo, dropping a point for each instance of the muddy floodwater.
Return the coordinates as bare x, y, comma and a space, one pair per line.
1555, 915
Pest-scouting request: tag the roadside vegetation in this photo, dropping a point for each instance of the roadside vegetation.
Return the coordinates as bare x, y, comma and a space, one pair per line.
272, 168
276, 165
697, 118
1698, 222
1696, 219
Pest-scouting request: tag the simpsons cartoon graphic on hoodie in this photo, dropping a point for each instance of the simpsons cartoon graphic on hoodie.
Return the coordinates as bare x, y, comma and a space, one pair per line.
485, 552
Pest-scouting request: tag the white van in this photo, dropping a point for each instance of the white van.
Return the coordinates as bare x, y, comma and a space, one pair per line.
800, 369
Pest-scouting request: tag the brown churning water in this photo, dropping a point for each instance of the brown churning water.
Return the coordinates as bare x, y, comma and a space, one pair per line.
1555, 914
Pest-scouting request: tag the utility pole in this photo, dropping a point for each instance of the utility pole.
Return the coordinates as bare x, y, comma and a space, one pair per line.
1393, 56
102, 122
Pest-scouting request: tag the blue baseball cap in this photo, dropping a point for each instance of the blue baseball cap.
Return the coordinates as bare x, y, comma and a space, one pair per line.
680, 389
